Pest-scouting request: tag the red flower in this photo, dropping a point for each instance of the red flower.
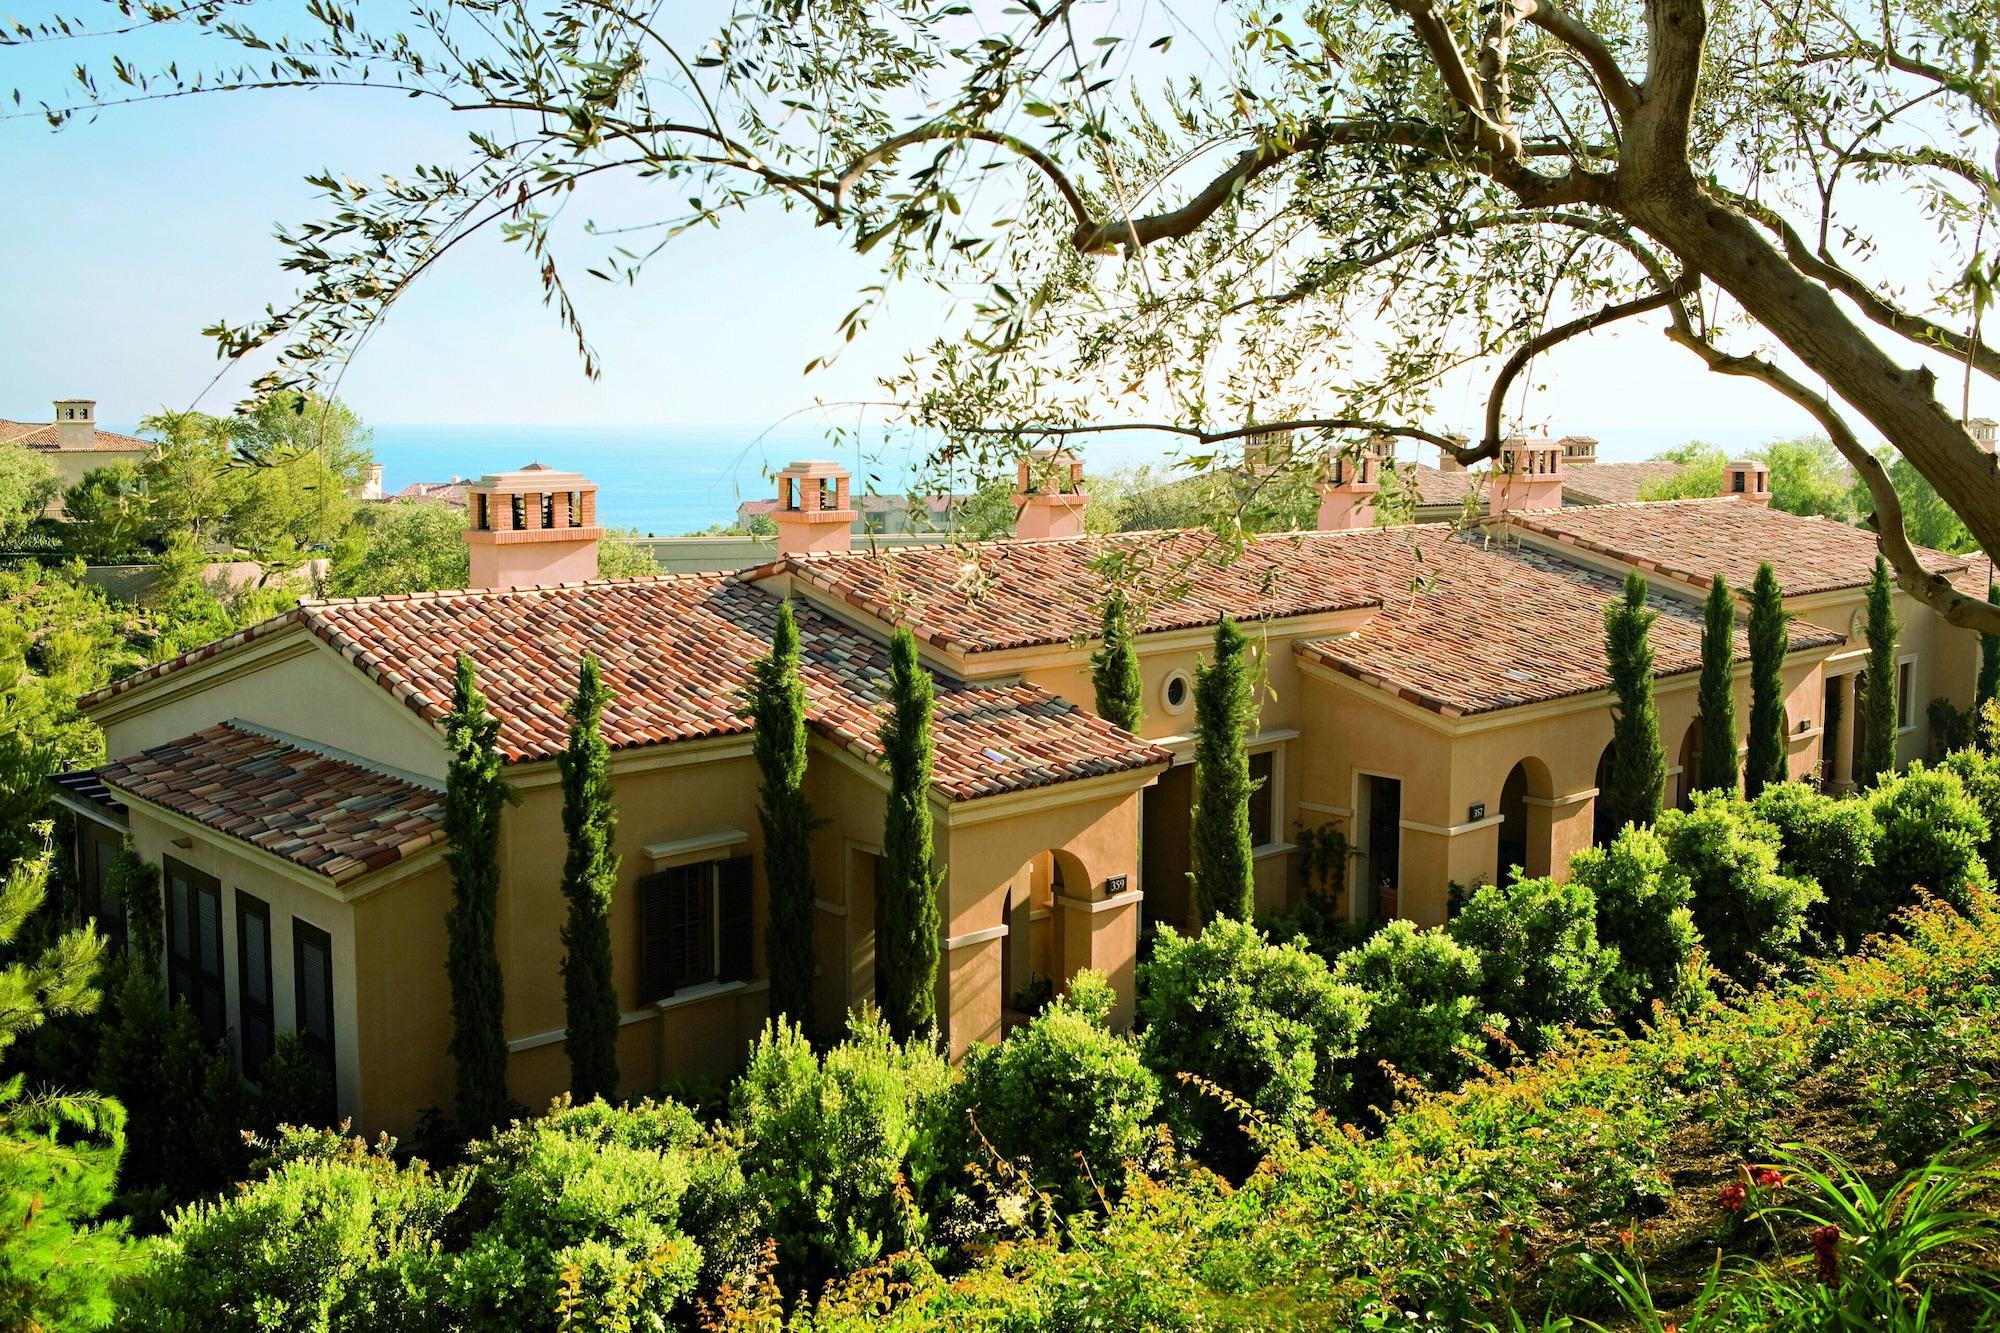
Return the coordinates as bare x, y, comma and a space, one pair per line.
1826, 1251
1770, 1178
1731, 1197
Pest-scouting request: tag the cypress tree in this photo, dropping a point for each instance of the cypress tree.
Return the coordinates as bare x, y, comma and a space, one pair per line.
908, 931
1769, 638
778, 710
1114, 668
473, 794
1878, 700
1989, 656
1220, 838
590, 872
1718, 690
1638, 764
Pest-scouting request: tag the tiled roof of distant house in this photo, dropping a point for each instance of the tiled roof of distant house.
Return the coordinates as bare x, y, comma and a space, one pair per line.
335, 817
1614, 483
989, 596
936, 505
1435, 486
435, 492
1471, 624
1694, 540
677, 653
41, 436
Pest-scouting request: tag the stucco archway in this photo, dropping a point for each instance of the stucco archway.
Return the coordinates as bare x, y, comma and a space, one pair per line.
1525, 831
1601, 830
1034, 947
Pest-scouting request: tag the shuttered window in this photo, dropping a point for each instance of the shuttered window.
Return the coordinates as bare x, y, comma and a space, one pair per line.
694, 927
312, 981
194, 947
253, 980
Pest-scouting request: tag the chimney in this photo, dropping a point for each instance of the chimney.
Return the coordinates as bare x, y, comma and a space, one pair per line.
532, 528
76, 423
1748, 479
1048, 495
1578, 449
1347, 493
1446, 461
813, 512
1985, 432
1528, 475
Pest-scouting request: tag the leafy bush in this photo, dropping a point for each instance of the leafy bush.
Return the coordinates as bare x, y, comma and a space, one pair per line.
1931, 836
1539, 957
843, 1149
1063, 1090
1264, 1021
1751, 916
1833, 841
607, 1195
1643, 914
333, 1236
1423, 1007
1979, 770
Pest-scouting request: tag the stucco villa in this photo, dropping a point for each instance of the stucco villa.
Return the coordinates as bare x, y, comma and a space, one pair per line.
1440, 696
73, 442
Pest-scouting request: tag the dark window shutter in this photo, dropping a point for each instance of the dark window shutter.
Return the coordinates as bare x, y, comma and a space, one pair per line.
655, 957
735, 918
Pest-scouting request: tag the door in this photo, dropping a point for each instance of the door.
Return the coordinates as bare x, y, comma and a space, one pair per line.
1166, 820
1385, 846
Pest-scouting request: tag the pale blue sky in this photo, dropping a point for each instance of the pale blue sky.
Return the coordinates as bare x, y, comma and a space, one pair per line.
125, 236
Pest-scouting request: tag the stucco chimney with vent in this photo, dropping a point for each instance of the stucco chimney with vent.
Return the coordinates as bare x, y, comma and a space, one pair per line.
813, 513
1049, 498
1985, 432
532, 528
76, 423
1347, 492
1748, 479
1447, 461
1527, 475
1578, 449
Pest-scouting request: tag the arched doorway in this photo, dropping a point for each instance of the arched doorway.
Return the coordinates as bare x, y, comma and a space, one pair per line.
1032, 965
1602, 830
1524, 821
1690, 781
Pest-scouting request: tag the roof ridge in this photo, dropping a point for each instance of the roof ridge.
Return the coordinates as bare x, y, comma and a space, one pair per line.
536, 589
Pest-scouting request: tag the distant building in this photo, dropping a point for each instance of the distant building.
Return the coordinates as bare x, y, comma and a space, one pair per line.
73, 442
451, 492
1442, 491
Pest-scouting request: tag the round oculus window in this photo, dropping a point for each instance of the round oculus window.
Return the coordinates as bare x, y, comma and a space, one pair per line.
1175, 692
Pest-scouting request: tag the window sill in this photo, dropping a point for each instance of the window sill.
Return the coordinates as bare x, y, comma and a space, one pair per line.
1272, 849
696, 994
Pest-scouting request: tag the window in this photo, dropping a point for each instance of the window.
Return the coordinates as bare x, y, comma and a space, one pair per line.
194, 947
520, 511
576, 509
1175, 692
1736, 482
253, 980
1905, 718
481, 519
548, 509
97, 853
1263, 800
312, 981
694, 927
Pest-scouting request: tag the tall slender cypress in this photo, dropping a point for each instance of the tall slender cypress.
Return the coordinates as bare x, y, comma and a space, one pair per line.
590, 873
1224, 884
473, 795
778, 711
908, 931
1769, 638
1878, 700
1114, 668
1989, 655
1718, 690
1638, 764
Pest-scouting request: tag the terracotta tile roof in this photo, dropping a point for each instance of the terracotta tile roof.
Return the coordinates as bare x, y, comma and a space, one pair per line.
41, 436
1613, 483
1694, 540
437, 492
337, 818
867, 504
988, 596
1470, 625
1435, 486
85, 786
677, 652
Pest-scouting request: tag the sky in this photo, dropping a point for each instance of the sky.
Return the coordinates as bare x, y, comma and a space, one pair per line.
128, 234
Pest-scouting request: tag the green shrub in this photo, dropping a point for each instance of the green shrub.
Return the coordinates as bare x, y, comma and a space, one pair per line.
1931, 835
331, 1237
1979, 770
1752, 917
293, 1087
639, 1199
1642, 914
1066, 1094
1264, 1021
1833, 841
1539, 957
1424, 1014
843, 1149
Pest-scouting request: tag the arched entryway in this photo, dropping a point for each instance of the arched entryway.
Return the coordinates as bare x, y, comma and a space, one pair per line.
1524, 821
1690, 779
1032, 957
1602, 829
